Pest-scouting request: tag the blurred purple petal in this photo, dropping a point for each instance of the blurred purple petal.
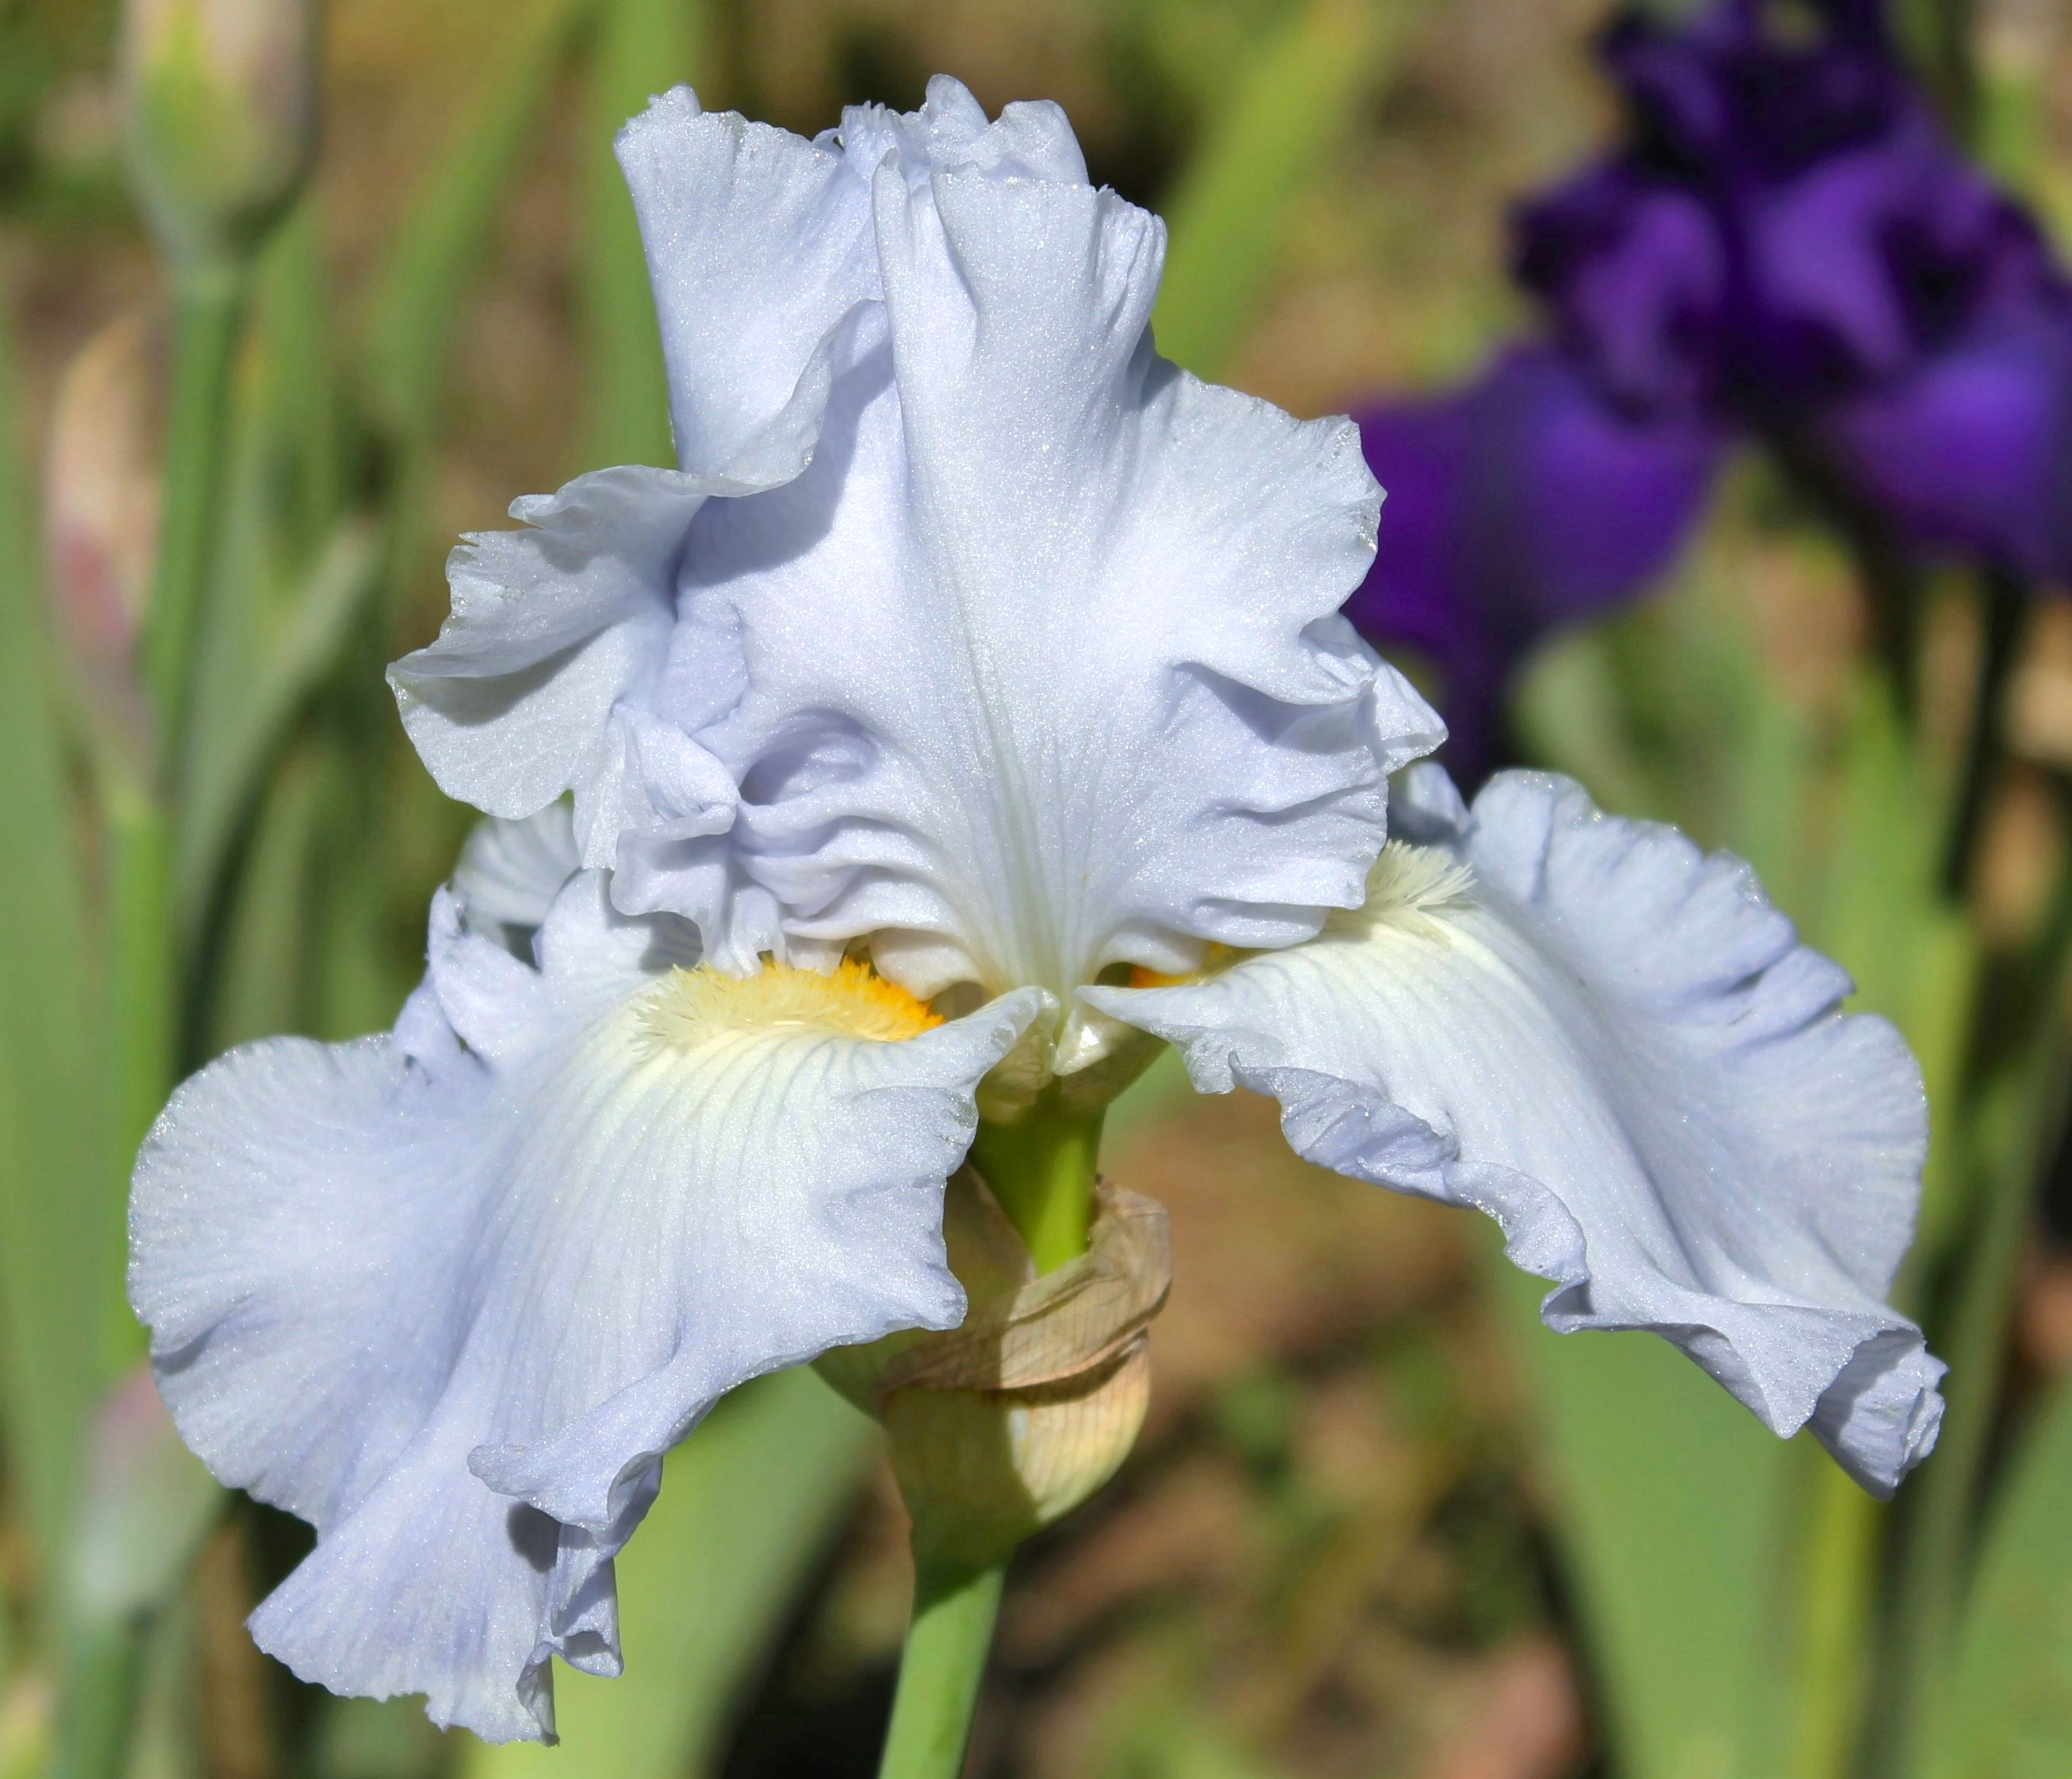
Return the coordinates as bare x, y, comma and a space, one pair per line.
1786, 243
1514, 505
1973, 453
1876, 260
1815, 262
1719, 97
1786, 222
1785, 246
1634, 271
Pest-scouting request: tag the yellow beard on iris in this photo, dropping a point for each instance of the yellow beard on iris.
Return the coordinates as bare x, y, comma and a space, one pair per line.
691, 1008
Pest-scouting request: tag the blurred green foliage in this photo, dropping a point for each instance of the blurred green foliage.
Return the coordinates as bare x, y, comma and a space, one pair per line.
60, 1231
2010, 1692
1723, 1589
1263, 142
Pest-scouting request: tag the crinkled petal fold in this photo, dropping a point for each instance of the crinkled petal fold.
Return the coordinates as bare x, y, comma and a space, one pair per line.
966, 621
758, 249
1617, 1048
510, 872
450, 1294
1038, 661
540, 681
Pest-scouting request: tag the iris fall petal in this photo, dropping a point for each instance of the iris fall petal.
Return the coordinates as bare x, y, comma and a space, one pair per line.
452, 1307
1615, 1046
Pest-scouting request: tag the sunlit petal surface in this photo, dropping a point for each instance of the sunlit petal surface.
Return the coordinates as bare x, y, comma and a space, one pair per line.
450, 1294
1617, 1048
1008, 643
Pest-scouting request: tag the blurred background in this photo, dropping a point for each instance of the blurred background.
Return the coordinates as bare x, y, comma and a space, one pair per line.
1381, 1523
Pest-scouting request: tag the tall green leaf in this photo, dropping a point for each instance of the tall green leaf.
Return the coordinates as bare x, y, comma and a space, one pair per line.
2008, 1708
306, 643
442, 242
1883, 916
304, 405
295, 576
1668, 1497
262, 984
1263, 146
643, 46
60, 1212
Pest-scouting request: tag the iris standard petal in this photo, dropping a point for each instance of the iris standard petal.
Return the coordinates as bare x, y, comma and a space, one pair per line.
1039, 666
1034, 670
454, 1313
1617, 1048
759, 247
541, 681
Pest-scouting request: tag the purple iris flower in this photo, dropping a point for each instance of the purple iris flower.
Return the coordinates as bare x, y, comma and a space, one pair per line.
1784, 246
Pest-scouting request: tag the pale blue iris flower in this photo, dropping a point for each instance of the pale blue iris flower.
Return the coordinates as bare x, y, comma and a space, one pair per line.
975, 657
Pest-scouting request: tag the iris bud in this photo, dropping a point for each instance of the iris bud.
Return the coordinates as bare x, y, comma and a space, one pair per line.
1005, 1423
220, 104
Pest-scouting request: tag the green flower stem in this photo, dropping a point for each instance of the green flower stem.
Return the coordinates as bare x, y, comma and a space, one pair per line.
100, 1666
1890, 580
2004, 601
939, 1673
208, 306
208, 303
145, 962
1042, 1169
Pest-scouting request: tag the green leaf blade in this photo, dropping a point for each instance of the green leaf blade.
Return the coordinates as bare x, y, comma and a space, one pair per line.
1228, 215
2008, 1708
60, 1206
